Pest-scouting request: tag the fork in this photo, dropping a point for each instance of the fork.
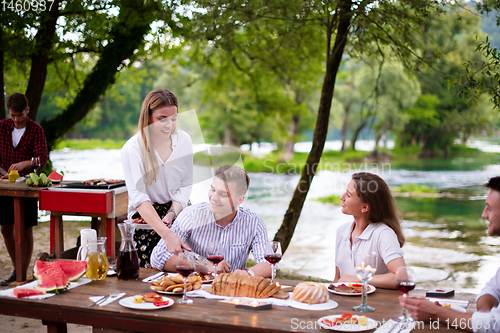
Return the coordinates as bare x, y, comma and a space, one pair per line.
102, 299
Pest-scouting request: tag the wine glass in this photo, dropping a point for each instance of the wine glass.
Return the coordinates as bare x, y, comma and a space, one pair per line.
365, 265
215, 254
274, 257
184, 267
405, 281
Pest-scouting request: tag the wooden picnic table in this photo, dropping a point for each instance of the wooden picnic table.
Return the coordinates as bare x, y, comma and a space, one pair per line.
19, 192
104, 204
204, 315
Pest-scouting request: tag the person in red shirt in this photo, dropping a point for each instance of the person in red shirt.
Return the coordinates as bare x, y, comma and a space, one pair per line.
22, 147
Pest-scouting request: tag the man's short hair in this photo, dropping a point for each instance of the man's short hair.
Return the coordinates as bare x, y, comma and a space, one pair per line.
17, 102
493, 183
234, 174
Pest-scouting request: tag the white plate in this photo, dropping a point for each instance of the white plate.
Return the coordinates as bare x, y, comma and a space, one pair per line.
128, 302
371, 324
315, 307
370, 287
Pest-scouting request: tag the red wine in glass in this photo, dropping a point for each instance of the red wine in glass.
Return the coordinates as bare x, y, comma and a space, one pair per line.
273, 258
185, 270
127, 265
215, 259
406, 287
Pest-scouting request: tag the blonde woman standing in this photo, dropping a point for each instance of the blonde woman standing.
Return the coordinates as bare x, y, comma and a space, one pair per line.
158, 167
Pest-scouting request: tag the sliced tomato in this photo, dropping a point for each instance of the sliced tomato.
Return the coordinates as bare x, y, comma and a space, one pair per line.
345, 315
327, 322
161, 303
357, 285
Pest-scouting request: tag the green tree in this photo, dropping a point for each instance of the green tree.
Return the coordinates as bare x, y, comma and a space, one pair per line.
452, 37
360, 26
483, 76
111, 33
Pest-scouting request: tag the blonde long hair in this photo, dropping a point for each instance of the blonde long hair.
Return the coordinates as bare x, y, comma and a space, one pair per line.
374, 191
155, 99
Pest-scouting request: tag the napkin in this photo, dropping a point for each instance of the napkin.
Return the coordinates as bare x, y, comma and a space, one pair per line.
109, 300
9, 292
389, 325
204, 294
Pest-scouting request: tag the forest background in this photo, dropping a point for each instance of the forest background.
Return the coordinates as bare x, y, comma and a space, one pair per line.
422, 73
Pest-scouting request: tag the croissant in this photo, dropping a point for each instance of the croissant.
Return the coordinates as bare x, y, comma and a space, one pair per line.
235, 285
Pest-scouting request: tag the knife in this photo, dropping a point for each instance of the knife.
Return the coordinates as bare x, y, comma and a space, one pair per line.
3, 172
100, 300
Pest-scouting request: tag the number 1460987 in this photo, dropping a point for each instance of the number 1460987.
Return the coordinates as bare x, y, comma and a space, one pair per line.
27, 5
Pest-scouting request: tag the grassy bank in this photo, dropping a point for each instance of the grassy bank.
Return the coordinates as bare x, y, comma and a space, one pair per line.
81, 144
459, 158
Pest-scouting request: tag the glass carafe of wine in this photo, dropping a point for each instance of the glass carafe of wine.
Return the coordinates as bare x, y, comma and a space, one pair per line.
127, 263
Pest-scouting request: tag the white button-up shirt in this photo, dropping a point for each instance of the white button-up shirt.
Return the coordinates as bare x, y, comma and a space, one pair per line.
196, 226
175, 175
377, 237
488, 321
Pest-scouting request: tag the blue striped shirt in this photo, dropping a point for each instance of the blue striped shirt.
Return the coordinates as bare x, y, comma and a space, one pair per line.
196, 227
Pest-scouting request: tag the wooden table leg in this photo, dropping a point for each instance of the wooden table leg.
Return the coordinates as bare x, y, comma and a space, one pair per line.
108, 230
20, 237
110, 233
57, 235
96, 224
55, 327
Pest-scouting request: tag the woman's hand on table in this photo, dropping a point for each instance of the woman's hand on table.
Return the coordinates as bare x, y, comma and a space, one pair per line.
174, 244
348, 278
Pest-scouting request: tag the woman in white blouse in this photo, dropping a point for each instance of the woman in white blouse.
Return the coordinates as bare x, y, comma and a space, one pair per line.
376, 227
158, 168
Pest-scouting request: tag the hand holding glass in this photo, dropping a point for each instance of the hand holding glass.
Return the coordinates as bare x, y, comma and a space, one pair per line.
405, 281
365, 265
274, 257
184, 267
215, 254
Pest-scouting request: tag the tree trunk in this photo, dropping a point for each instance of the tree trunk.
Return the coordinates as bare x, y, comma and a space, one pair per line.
40, 58
355, 135
285, 232
377, 139
294, 130
125, 38
345, 124
2, 80
228, 137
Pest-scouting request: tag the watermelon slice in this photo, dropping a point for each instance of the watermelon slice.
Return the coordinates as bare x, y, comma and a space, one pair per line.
40, 267
22, 292
55, 276
73, 269
55, 177
52, 280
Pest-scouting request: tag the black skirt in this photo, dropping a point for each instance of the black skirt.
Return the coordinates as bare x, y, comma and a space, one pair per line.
146, 239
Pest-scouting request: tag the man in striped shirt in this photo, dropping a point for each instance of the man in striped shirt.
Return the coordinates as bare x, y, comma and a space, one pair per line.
221, 219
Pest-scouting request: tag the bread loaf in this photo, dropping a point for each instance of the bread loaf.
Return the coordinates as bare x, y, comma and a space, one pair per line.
235, 285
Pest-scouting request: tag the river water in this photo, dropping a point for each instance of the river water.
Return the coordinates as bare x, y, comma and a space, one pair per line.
446, 238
